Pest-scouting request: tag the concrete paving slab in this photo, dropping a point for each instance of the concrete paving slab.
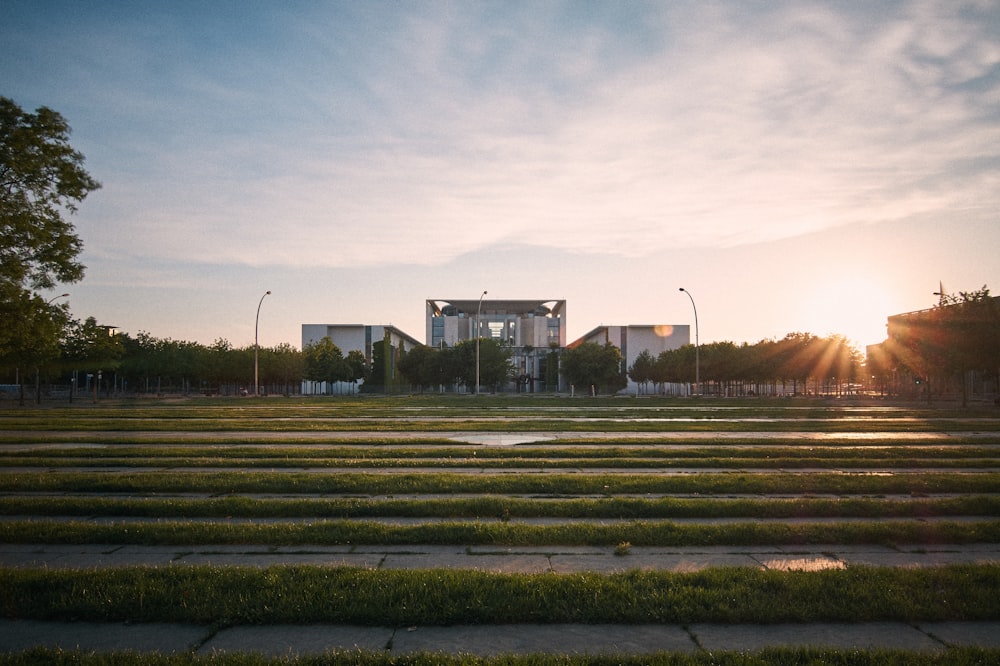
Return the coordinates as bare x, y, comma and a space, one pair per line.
89, 560
27, 560
538, 550
916, 559
171, 551
983, 553
711, 550
282, 640
79, 556
19, 635
560, 559
296, 640
834, 635
57, 549
496, 563
544, 639
647, 561
309, 548
834, 549
411, 549
500, 438
978, 634
365, 560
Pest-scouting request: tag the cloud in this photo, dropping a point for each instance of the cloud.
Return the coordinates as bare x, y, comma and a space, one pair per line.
422, 134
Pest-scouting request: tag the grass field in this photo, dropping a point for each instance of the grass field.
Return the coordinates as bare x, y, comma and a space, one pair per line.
424, 470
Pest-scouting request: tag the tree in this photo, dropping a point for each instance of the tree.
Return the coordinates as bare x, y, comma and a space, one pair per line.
41, 181
591, 364
641, 371
425, 367
284, 365
944, 347
494, 363
495, 368
324, 362
93, 348
41, 178
357, 365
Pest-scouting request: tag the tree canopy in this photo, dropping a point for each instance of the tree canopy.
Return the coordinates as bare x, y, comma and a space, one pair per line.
428, 367
42, 180
591, 364
325, 362
939, 348
727, 368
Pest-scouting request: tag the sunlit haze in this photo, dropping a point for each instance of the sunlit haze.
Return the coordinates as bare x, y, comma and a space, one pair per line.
796, 166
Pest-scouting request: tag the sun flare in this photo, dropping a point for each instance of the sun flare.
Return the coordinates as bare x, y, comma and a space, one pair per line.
855, 306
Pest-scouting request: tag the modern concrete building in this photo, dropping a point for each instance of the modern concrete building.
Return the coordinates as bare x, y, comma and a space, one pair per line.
634, 339
358, 337
532, 328
519, 323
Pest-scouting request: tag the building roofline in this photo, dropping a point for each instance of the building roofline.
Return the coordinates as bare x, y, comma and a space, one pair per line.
555, 306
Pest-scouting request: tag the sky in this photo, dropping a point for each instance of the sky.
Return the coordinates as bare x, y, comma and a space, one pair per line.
795, 166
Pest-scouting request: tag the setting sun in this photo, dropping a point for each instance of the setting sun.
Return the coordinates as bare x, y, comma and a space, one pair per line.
855, 306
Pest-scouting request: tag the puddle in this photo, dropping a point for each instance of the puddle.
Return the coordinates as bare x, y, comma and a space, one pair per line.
500, 438
803, 564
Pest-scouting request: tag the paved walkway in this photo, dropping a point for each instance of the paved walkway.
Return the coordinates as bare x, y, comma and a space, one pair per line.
33, 439
284, 640
521, 559
487, 640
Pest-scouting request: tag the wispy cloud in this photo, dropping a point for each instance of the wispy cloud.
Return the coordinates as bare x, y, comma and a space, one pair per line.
380, 134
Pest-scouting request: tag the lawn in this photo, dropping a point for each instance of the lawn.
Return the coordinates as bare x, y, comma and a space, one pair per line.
602, 472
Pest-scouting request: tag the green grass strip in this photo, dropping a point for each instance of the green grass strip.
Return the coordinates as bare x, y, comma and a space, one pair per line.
638, 533
444, 449
208, 461
494, 423
309, 594
495, 506
360, 483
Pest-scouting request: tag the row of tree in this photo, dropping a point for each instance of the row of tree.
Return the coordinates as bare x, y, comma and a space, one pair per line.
97, 358
429, 368
934, 347
799, 362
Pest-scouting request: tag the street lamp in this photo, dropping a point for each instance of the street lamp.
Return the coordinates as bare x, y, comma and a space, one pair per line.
256, 347
697, 368
38, 384
478, 312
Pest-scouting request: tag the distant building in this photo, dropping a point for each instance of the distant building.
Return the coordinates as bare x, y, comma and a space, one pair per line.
917, 359
532, 328
358, 337
634, 339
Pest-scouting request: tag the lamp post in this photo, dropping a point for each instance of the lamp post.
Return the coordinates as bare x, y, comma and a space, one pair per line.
478, 312
38, 384
697, 368
256, 347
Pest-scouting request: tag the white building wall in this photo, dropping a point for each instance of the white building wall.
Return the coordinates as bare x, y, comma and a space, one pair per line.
632, 340
350, 337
